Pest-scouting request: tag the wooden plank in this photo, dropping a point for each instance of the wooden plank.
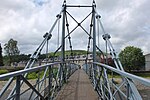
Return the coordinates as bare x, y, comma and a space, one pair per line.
78, 87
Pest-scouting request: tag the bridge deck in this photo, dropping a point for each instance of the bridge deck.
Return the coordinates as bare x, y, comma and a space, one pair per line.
78, 87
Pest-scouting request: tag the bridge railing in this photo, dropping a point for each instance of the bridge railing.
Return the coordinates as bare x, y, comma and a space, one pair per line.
49, 80
114, 84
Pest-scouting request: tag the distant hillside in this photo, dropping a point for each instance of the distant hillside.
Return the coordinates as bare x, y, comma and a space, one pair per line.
68, 52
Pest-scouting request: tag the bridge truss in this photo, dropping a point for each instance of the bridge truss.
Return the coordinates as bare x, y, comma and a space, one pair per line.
52, 75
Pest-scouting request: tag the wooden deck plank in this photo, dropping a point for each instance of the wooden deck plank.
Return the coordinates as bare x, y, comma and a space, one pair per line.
78, 87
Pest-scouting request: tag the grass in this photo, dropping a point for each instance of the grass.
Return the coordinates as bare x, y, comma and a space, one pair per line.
114, 76
3, 71
68, 52
32, 75
144, 75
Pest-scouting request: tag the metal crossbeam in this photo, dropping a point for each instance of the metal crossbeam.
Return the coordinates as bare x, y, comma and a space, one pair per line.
52, 88
125, 74
37, 92
106, 85
79, 6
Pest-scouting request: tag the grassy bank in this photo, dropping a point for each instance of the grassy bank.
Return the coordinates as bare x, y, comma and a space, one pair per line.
32, 75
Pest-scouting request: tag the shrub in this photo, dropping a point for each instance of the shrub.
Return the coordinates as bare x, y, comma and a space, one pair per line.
32, 75
3, 71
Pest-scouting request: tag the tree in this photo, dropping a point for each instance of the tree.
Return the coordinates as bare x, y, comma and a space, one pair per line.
23, 57
1, 57
11, 50
132, 58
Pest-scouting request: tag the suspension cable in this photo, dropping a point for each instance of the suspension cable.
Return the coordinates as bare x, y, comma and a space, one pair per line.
88, 47
98, 32
58, 33
69, 37
47, 51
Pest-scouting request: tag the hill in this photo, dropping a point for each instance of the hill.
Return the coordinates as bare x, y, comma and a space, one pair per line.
68, 52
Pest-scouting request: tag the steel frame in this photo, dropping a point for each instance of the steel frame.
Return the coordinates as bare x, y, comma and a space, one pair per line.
53, 85
98, 72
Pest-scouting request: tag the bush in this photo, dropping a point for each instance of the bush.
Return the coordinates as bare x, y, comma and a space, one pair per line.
3, 71
55, 71
41, 74
32, 75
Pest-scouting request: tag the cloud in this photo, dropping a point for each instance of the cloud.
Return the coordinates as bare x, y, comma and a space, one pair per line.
127, 21
25, 21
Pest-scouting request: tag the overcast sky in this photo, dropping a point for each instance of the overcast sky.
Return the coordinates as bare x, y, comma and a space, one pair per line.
127, 21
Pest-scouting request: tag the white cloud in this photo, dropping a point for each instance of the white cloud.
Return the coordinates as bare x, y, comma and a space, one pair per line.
127, 21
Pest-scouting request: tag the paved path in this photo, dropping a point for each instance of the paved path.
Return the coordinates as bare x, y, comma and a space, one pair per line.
78, 87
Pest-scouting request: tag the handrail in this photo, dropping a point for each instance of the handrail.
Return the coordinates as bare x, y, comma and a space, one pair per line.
20, 72
125, 74
55, 82
110, 88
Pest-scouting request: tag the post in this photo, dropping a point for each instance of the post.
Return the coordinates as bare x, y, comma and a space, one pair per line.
128, 91
94, 42
50, 82
38, 85
18, 88
63, 42
86, 65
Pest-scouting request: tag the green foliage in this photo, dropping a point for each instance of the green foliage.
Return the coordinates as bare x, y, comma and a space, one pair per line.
16, 58
6, 60
32, 75
145, 75
24, 57
1, 57
132, 58
41, 74
11, 50
55, 71
3, 71
75, 52
42, 56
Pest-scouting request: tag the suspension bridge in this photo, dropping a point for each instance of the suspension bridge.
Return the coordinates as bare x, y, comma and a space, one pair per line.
66, 79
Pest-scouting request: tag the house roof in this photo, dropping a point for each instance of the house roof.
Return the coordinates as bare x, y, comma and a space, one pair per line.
147, 54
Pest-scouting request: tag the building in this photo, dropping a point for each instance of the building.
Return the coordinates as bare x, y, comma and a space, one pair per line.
147, 62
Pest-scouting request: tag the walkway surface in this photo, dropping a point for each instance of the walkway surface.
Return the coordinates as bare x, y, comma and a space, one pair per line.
78, 87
